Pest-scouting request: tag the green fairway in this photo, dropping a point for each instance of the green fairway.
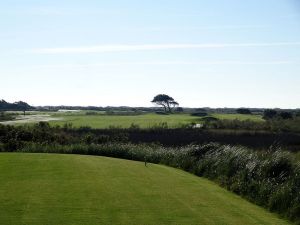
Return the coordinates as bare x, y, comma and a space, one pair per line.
143, 121
74, 189
257, 118
100, 120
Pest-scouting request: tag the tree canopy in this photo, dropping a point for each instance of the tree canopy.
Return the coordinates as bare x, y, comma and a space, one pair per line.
166, 101
16, 106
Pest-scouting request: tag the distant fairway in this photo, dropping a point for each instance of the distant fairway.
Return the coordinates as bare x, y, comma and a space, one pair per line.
55, 189
143, 121
241, 117
101, 120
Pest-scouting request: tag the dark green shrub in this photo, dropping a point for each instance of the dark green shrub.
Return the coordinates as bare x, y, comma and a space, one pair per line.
278, 167
285, 115
243, 111
269, 114
101, 139
161, 113
200, 114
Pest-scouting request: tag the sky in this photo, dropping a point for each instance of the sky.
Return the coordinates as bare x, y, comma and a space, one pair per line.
217, 53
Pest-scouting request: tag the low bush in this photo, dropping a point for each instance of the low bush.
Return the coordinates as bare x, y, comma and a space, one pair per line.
200, 114
162, 113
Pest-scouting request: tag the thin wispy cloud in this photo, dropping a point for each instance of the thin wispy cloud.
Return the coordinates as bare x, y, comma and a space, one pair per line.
158, 63
151, 47
198, 28
60, 11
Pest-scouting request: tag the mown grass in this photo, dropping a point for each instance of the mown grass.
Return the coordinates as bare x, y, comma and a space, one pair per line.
241, 117
143, 121
74, 189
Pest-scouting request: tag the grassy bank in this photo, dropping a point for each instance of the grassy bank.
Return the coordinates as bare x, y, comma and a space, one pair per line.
269, 178
72, 189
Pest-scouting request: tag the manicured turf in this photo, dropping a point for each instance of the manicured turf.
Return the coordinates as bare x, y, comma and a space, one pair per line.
241, 117
55, 189
144, 121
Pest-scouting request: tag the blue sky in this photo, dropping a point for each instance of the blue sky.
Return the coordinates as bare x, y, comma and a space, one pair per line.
217, 53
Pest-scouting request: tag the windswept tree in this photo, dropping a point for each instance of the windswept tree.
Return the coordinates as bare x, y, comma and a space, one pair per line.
166, 101
23, 106
17, 106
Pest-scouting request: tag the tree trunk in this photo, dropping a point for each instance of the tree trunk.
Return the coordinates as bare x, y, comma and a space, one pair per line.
165, 108
169, 109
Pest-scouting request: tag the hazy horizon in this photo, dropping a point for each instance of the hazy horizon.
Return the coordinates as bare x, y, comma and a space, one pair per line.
149, 106
221, 53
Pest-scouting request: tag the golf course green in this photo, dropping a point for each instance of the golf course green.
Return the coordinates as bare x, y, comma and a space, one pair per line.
42, 189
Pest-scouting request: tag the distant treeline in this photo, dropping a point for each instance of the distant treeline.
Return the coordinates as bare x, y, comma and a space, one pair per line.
23, 106
16, 106
207, 110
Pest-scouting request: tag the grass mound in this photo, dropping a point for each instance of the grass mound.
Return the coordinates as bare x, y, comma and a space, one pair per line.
75, 189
